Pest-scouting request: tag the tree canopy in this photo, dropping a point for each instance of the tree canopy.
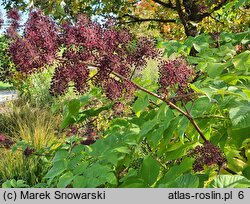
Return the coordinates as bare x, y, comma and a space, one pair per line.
172, 17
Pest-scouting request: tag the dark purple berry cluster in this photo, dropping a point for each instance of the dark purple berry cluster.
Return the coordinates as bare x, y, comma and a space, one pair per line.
83, 45
88, 133
90, 45
28, 151
14, 18
118, 108
13, 14
208, 155
175, 75
39, 44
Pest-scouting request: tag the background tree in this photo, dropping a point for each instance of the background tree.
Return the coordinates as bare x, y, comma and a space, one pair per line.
174, 17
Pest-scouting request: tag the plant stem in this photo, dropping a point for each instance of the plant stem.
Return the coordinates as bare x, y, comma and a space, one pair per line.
191, 119
184, 96
132, 73
230, 171
211, 116
191, 106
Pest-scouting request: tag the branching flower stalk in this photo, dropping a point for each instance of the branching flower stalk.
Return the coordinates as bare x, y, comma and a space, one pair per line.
206, 155
172, 105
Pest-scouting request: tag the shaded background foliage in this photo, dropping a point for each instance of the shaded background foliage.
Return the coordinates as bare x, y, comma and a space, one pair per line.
6, 65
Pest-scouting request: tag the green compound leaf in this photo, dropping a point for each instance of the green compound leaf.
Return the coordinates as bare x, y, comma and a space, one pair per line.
240, 116
65, 179
57, 169
242, 61
150, 170
230, 181
184, 181
215, 69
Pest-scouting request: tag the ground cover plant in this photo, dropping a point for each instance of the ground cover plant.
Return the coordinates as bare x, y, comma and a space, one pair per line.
186, 126
25, 129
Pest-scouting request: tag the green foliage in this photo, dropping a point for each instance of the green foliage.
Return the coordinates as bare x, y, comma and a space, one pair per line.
183, 181
79, 110
150, 170
175, 172
240, 116
14, 184
76, 170
5, 86
35, 88
6, 65
108, 161
203, 44
27, 127
230, 181
223, 110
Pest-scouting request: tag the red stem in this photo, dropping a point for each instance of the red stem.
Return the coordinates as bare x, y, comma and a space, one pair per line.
188, 115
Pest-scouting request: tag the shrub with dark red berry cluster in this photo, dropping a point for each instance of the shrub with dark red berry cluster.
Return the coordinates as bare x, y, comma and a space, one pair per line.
83, 45
208, 155
86, 45
175, 75
38, 45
